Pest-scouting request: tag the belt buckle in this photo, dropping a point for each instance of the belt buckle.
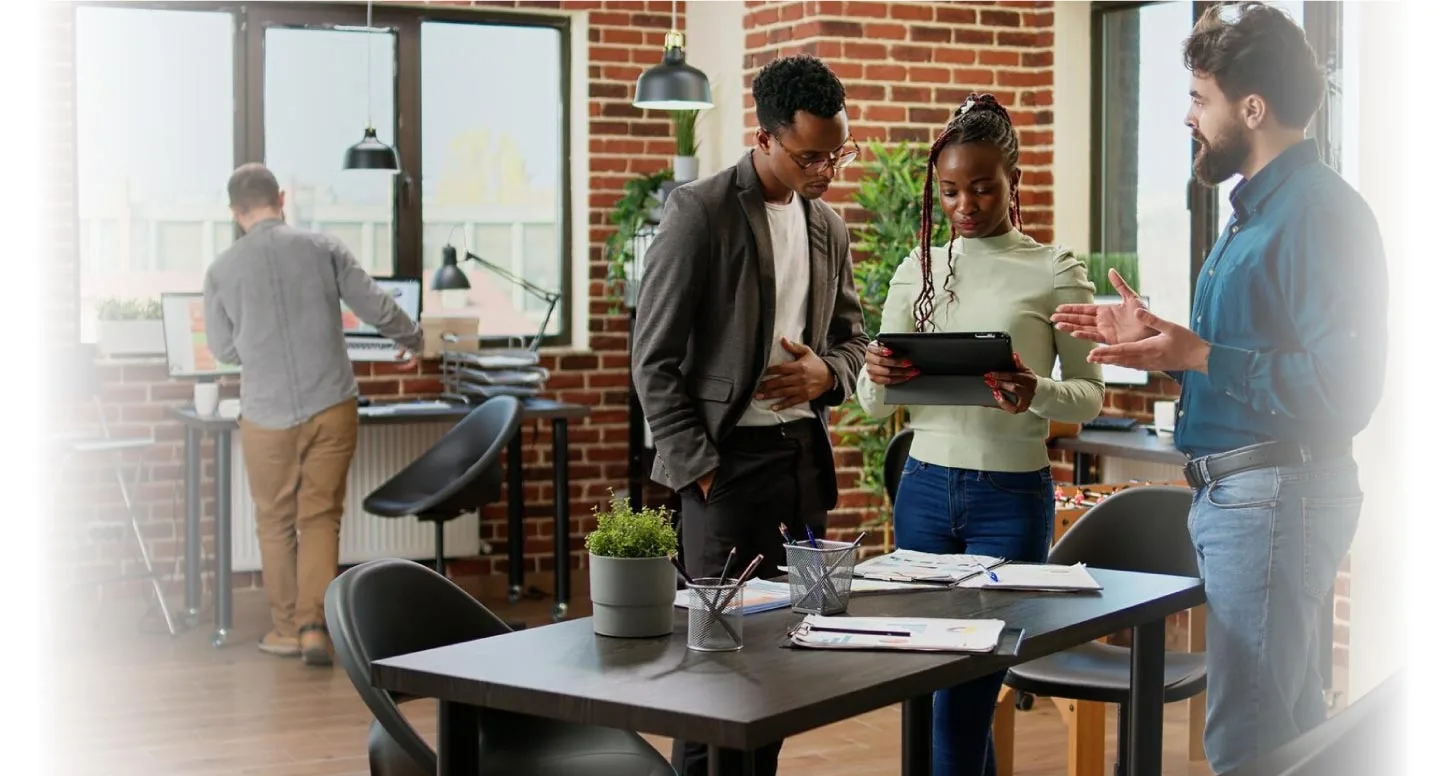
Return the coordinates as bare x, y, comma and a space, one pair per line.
1193, 477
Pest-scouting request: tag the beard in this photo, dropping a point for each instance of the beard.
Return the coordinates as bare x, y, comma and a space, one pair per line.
1220, 159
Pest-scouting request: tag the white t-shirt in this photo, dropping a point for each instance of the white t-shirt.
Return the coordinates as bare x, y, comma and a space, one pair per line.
790, 240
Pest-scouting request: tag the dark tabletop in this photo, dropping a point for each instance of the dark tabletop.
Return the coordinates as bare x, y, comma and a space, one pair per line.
1138, 444
764, 692
535, 409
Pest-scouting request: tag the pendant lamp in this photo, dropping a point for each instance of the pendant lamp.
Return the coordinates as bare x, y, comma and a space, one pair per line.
672, 84
370, 153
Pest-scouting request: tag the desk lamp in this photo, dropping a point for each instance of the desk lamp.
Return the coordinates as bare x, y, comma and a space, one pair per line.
451, 278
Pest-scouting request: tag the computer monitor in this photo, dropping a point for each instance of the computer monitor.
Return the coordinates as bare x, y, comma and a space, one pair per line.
407, 293
1111, 374
187, 352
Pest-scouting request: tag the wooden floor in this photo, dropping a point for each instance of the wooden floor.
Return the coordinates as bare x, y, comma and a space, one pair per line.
132, 702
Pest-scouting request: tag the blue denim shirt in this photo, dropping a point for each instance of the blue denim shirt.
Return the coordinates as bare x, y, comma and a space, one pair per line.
1293, 301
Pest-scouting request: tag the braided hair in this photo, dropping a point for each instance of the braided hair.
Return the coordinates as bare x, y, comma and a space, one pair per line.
982, 119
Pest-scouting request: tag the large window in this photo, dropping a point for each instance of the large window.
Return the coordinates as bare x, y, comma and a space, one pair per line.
172, 97
1146, 201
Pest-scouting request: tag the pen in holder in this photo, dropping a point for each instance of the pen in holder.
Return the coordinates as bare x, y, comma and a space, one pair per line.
820, 576
715, 615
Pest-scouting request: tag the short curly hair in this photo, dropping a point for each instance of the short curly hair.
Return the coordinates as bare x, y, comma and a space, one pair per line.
792, 84
1258, 50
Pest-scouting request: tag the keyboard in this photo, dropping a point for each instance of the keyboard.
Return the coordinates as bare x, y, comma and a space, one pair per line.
1111, 423
366, 349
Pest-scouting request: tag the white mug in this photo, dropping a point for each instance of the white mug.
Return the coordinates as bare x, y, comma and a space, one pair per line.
207, 399
1165, 416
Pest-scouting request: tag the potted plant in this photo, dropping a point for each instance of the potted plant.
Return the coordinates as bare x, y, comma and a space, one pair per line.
632, 583
638, 207
687, 164
129, 327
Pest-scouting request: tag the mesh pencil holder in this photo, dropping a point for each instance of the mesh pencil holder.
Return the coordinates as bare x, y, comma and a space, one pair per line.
715, 615
820, 576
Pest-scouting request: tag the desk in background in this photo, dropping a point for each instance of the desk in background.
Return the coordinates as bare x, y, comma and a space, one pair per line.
1138, 444
222, 428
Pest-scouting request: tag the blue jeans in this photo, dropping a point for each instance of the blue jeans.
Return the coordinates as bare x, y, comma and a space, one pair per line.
1269, 542
1008, 515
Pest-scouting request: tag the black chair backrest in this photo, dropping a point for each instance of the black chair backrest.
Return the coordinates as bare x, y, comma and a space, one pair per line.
389, 607
895, 455
1143, 529
462, 465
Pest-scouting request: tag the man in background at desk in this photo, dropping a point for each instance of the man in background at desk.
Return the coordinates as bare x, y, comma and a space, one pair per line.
272, 305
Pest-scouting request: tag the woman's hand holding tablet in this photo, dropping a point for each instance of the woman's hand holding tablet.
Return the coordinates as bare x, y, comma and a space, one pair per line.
885, 370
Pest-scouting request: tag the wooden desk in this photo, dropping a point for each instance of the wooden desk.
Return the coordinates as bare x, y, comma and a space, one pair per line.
1138, 444
222, 428
765, 692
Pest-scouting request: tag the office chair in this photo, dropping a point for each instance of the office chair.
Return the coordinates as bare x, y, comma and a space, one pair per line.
896, 454
461, 473
1143, 529
75, 382
384, 608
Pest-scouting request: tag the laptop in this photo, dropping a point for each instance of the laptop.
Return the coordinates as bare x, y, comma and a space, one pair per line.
364, 342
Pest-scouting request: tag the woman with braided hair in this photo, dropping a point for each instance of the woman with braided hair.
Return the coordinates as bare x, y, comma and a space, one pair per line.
978, 478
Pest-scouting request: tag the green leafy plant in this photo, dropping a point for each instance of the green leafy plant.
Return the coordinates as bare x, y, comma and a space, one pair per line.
1098, 265
892, 192
631, 213
621, 532
116, 309
686, 143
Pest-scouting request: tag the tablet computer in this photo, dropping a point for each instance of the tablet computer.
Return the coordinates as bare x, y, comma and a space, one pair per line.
952, 366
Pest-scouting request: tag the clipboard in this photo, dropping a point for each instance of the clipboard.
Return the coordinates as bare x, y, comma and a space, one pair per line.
952, 366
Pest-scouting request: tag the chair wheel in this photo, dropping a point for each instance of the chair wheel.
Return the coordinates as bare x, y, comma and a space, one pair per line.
1024, 701
514, 595
558, 613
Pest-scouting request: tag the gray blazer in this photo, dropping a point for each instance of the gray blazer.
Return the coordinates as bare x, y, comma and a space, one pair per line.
706, 313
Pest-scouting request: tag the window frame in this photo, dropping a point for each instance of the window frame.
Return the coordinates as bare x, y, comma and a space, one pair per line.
1323, 24
251, 20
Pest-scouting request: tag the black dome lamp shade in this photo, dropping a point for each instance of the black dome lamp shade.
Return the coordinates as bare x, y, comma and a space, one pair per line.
370, 153
672, 84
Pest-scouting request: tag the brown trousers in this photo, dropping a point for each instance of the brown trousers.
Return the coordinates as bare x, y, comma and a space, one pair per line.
297, 478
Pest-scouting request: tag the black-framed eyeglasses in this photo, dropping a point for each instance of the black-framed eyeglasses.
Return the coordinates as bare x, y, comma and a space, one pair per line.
847, 154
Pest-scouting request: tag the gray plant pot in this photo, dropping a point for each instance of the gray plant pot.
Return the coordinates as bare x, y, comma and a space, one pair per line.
634, 598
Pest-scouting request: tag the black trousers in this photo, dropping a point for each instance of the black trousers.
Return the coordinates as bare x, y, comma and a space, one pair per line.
769, 476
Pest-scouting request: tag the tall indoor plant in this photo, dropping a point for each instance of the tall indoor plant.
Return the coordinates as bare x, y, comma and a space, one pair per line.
632, 583
891, 192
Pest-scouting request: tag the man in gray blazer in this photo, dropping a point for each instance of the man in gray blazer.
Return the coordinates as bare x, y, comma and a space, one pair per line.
748, 329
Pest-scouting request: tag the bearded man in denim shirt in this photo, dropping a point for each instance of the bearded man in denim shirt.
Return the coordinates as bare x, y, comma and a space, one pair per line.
1281, 367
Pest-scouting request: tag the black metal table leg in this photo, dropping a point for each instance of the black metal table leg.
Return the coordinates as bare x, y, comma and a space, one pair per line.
1147, 698
459, 739
515, 544
222, 539
193, 589
916, 716
560, 454
1083, 462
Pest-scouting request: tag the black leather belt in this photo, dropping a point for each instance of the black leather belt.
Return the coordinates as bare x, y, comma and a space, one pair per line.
1203, 471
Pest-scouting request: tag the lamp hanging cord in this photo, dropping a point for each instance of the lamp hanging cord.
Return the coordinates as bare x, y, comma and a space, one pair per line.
369, 70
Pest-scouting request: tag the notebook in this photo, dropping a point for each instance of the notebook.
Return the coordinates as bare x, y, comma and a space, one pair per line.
920, 634
759, 595
1035, 577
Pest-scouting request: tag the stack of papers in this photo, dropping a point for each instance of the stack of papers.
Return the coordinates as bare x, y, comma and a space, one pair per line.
1039, 577
924, 567
922, 634
759, 595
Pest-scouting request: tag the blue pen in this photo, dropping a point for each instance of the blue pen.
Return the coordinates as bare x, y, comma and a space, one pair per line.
993, 578
811, 534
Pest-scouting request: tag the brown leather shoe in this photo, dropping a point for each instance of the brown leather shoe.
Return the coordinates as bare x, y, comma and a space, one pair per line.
275, 644
315, 648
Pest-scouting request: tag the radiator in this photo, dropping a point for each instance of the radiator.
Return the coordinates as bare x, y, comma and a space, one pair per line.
1116, 469
382, 451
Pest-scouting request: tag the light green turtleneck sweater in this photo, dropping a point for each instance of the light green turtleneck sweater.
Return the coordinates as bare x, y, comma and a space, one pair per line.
1008, 283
